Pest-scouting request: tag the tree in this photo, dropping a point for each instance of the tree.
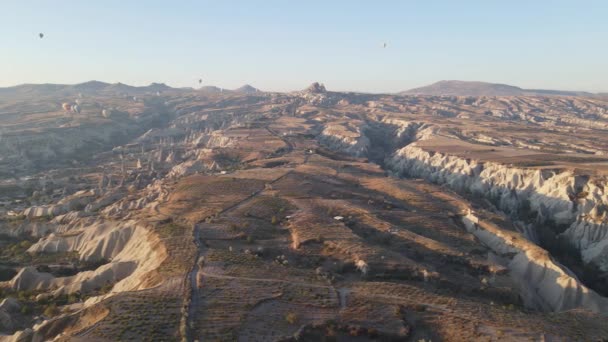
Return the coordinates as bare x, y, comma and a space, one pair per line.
51, 310
291, 318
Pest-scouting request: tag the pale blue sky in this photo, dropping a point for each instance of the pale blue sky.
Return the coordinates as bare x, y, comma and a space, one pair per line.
285, 44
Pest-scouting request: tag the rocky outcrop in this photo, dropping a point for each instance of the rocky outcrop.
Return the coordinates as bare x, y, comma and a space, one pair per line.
105, 200
214, 140
543, 283
131, 249
100, 240
30, 279
150, 197
316, 94
77, 201
191, 167
539, 196
316, 88
347, 139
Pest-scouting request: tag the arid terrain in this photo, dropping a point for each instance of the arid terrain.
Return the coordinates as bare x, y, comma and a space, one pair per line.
163, 214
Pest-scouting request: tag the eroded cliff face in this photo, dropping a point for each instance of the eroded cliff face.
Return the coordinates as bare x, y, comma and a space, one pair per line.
543, 283
346, 138
536, 196
131, 250
374, 139
77, 201
575, 205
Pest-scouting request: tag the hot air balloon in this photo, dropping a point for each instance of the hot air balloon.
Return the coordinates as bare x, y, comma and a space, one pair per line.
41, 35
66, 106
200, 81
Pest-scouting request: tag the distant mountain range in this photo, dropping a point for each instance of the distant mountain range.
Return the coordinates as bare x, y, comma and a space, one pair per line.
90, 87
99, 87
452, 88
468, 88
247, 89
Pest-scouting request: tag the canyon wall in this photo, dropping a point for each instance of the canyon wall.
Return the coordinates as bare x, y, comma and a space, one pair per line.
538, 196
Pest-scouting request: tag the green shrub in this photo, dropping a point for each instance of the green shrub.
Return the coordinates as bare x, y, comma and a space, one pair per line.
51, 310
26, 310
106, 288
291, 318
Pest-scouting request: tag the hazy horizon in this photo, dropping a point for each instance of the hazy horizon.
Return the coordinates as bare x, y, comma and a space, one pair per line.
279, 46
304, 86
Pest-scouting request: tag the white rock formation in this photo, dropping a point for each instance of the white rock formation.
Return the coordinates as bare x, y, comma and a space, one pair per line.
349, 139
542, 282
105, 200
133, 252
213, 140
76, 201
563, 197
187, 168
362, 266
